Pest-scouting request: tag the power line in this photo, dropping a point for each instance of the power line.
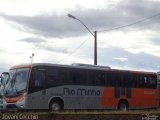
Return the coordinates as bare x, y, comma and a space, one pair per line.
74, 50
134, 23
131, 24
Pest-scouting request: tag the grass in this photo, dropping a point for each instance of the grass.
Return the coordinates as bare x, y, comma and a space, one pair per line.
138, 112
104, 112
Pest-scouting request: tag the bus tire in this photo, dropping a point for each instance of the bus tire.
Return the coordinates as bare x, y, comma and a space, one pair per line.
56, 106
123, 105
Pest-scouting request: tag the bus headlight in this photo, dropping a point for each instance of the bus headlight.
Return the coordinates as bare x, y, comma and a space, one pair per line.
21, 102
21, 99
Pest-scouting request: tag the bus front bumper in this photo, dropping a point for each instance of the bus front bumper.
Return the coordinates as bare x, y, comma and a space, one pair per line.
20, 104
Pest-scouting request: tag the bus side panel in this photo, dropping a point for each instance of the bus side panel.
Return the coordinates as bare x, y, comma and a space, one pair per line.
82, 97
37, 101
140, 98
74, 97
108, 98
143, 97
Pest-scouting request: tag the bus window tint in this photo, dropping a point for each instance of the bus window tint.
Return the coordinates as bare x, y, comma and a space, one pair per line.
117, 80
152, 82
78, 77
96, 78
126, 82
74, 76
52, 77
39, 78
63, 76
130, 80
83, 80
141, 81
99, 78
109, 79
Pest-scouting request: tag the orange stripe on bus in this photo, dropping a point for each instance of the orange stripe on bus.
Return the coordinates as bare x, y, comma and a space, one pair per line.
12, 100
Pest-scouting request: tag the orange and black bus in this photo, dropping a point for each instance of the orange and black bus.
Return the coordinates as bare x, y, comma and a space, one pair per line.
78, 86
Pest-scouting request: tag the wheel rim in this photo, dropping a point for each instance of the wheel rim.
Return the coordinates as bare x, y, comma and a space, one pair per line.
123, 107
55, 107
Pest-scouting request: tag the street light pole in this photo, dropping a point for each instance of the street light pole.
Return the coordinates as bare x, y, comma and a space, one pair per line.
94, 35
31, 58
95, 47
71, 16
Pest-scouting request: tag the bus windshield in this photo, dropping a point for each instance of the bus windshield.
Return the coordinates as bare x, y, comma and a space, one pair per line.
4, 82
18, 80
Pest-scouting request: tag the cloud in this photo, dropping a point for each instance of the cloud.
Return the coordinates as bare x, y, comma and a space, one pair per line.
41, 44
46, 25
52, 48
32, 40
118, 58
121, 59
124, 12
4, 66
155, 41
1, 50
140, 61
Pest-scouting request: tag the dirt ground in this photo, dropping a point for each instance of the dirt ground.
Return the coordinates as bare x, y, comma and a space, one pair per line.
132, 115
91, 117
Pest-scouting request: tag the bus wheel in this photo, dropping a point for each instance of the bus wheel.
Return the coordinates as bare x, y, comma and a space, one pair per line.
123, 106
55, 106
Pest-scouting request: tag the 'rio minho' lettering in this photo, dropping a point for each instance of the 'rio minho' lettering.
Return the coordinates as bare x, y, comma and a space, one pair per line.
81, 92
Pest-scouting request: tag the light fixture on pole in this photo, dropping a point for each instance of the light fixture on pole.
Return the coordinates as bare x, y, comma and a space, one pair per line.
94, 35
31, 58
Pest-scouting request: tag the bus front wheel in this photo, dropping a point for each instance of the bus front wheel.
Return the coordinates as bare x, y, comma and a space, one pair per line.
123, 106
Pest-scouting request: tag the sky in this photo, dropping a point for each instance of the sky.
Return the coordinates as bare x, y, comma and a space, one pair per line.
42, 27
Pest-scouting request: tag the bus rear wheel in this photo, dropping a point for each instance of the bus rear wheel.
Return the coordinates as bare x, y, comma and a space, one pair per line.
55, 106
123, 106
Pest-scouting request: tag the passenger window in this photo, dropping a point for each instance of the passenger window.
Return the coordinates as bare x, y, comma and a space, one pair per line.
74, 77
39, 78
110, 79
96, 78
52, 77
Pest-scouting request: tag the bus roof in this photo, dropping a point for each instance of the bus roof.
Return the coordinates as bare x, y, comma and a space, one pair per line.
132, 71
21, 66
87, 66
84, 66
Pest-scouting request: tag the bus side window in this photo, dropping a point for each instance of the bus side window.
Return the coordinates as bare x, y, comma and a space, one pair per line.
141, 81
134, 79
74, 77
77, 77
110, 79
117, 78
126, 81
152, 82
52, 77
63, 76
100, 78
83, 80
91, 77
39, 78
96, 78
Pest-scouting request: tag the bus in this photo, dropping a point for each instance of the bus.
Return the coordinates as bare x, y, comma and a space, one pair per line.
4, 80
58, 87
